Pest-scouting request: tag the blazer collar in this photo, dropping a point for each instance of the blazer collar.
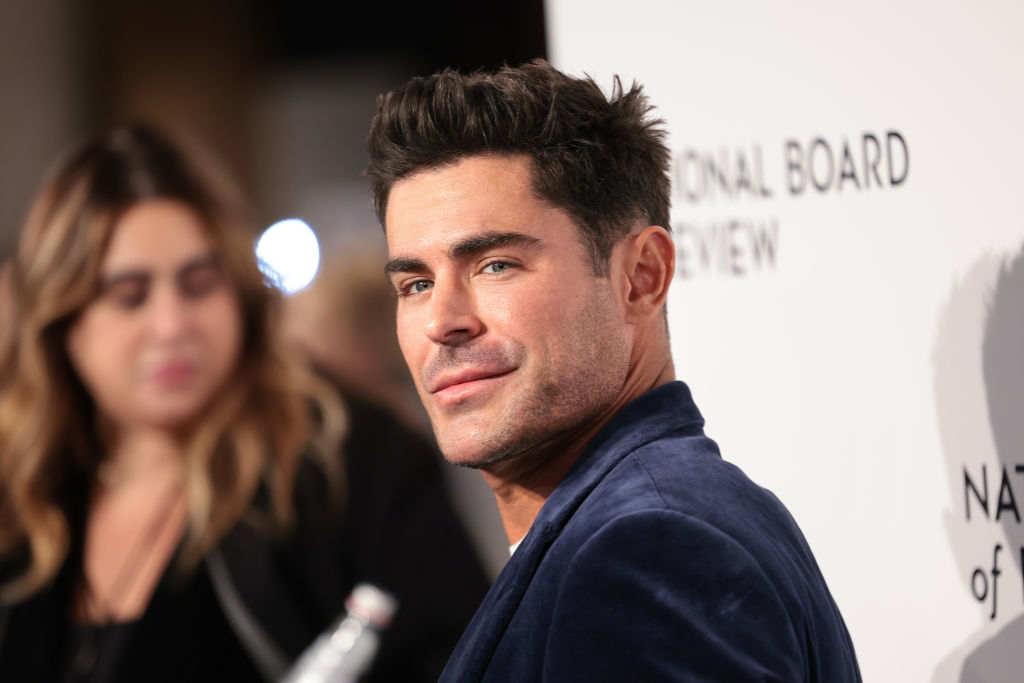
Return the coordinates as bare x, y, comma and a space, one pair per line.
660, 412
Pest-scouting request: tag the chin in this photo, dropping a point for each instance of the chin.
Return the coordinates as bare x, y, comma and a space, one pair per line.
478, 452
463, 457
462, 452
172, 418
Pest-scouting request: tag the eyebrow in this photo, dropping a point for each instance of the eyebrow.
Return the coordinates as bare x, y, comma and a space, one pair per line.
466, 247
403, 265
201, 261
207, 260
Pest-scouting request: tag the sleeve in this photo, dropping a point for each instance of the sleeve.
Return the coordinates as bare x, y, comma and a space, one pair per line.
661, 596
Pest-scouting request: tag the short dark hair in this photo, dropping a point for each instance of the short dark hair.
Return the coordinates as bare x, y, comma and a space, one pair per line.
601, 159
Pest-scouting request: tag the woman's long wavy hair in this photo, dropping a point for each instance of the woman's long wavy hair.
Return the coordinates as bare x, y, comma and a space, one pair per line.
253, 431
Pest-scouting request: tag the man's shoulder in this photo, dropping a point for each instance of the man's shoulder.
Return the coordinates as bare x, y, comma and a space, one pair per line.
679, 487
676, 540
683, 474
654, 455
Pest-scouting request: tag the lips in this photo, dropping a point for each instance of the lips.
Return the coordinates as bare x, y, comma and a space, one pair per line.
451, 381
172, 374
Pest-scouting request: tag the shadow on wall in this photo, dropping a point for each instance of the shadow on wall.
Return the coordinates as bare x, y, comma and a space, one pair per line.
979, 395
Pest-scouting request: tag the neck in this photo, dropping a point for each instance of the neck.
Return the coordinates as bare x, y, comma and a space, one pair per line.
139, 455
522, 484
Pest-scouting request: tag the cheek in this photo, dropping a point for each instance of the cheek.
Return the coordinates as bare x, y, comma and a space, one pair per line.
411, 340
536, 312
103, 356
224, 327
97, 347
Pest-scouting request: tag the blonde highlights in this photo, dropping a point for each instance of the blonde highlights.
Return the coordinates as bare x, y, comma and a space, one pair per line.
256, 428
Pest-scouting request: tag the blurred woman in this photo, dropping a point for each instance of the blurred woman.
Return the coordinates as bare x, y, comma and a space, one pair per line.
161, 517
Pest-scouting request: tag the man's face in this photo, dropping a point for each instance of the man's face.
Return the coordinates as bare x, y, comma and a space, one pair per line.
512, 340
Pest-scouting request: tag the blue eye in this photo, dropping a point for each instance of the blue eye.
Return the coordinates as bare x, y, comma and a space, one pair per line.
420, 286
497, 267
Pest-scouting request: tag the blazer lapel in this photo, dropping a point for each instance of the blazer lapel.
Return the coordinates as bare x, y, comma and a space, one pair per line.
628, 430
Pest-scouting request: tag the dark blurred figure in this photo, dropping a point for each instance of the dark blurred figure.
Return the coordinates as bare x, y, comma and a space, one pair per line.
345, 321
6, 304
172, 503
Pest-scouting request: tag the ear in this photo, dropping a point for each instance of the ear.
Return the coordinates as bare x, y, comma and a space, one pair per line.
650, 265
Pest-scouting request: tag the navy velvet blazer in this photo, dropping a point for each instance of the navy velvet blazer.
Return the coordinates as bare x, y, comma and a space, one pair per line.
656, 560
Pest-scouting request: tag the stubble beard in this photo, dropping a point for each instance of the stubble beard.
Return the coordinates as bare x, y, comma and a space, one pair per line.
568, 396
535, 427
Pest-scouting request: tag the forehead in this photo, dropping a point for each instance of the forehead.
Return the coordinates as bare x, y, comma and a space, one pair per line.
438, 207
156, 232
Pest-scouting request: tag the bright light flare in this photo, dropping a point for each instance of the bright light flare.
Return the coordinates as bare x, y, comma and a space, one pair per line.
289, 254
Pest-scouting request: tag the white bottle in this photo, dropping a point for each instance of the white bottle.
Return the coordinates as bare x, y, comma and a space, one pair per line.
345, 651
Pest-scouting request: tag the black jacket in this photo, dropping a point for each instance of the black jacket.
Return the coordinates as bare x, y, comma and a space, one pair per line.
261, 597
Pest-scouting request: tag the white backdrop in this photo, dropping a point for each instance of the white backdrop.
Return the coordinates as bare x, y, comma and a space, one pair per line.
847, 191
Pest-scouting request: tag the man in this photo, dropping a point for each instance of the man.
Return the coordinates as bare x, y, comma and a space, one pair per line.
526, 218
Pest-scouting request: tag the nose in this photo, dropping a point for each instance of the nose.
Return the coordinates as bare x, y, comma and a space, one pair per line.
452, 318
169, 315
